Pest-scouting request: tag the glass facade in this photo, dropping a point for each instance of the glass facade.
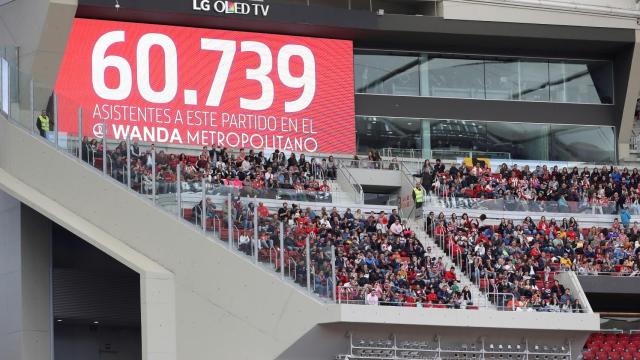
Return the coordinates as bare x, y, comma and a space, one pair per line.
383, 74
454, 138
456, 77
483, 77
380, 132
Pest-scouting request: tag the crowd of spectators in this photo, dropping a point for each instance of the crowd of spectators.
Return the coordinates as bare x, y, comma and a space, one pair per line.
252, 173
539, 189
378, 258
518, 258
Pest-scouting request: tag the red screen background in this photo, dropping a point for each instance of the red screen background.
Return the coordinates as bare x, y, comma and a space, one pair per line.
329, 119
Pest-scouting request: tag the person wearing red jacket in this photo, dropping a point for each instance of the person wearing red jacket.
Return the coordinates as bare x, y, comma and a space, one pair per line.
450, 275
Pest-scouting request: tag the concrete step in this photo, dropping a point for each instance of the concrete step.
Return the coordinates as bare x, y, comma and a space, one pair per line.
479, 299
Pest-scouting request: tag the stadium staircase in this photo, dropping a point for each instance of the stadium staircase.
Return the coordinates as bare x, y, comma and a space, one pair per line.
479, 298
417, 225
339, 195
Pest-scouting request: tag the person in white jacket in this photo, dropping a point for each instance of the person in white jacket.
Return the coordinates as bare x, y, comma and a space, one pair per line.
371, 298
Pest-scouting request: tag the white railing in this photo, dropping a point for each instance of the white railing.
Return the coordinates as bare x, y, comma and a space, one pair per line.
634, 143
394, 349
441, 154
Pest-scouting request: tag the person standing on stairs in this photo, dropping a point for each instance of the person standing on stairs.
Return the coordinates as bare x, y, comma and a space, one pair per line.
419, 196
427, 176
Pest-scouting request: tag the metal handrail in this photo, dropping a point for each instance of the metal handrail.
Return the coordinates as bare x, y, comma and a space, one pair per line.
295, 267
271, 262
436, 153
369, 164
609, 273
410, 183
359, 192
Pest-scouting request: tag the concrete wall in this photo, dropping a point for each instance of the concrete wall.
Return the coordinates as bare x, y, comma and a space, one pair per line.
39, 28
216, 295
85, 342
570, 281
335, 337
501, 11
343, 179
610, 284
25, 297
630, 101
10, 281
371, 177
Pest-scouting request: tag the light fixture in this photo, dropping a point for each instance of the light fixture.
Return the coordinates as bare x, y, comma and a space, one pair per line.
96, 322
117, 5
59, 320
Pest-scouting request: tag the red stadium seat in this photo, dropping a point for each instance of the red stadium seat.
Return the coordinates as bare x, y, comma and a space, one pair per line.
187, 213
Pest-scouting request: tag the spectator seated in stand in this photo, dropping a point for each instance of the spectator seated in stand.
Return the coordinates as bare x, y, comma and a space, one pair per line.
250, 173
518, 258
599, 190
378, 258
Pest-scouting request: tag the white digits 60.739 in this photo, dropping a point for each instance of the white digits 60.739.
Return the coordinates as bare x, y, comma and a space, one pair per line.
260, 74
307, 81
100, 62
170, 68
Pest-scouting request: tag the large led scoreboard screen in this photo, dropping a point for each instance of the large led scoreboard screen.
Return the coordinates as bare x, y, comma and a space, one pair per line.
191, 86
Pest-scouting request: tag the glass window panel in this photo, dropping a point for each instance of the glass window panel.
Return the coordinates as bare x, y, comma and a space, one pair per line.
501, 77
602, 74
580, 82
387, 74
458, 135
483, 77
449, 139
4, 91
534, 80
521, 140
376, 133
456, 77
582, 143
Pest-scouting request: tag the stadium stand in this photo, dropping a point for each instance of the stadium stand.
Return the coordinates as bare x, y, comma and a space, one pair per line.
255, 174
378, 261
273, 244
520, 258
604, 190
